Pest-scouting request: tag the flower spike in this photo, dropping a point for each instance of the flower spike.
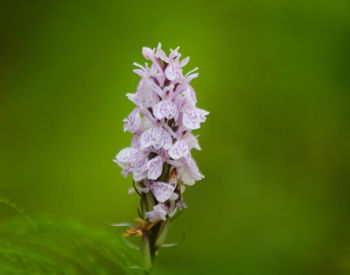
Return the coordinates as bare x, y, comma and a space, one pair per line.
159, 157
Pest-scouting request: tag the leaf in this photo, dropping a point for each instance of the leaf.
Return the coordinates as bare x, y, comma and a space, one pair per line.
162, 233
126, 224
136, 190
56, 247
146, 253
130, 244
16, 209
177, 243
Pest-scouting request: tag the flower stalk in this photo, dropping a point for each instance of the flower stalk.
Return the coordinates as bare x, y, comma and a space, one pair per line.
159, 156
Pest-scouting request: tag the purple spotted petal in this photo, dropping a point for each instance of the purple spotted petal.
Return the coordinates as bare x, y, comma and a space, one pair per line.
179, 149
168, 141
135, 142
139, 168
157, 137
152, 137
162, 191
155, 168
165, 108
132, 160
173, 71
145, 93
140, 174
193, 117
159, 212
190, 96
126, 156
133, 122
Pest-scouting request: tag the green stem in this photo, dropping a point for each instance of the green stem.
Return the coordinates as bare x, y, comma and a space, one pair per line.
146, 252
155, 237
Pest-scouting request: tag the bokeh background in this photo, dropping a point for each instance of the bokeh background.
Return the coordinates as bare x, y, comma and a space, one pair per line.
276, 151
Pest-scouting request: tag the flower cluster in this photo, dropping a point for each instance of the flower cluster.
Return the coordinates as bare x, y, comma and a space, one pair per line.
159, 156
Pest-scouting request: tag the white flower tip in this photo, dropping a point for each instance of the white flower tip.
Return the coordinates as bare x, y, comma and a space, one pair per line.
138, 65
147, 52
184, 61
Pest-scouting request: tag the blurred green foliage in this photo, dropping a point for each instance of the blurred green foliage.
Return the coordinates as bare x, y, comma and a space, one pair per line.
276, 151
51, 247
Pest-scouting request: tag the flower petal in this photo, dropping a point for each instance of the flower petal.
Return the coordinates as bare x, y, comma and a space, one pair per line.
188, 171
132, 160
162, 191
193, 117
140, 174
190, 96
145, 93
133, 122
156, 137
161, 54
146, 139
168, 141
127, 155
184, 61
179, 149
155, 168
191, 77
192, 142
139, 72
159, 212
165, 108
147, 53
193, 170
187, 179
173, 71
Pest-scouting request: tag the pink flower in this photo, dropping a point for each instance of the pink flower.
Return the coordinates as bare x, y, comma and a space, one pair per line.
157, 137
133, 122
162, 124
165, 109
179, 149
162, 191
132, 160
193, 117
155, 168
159, 212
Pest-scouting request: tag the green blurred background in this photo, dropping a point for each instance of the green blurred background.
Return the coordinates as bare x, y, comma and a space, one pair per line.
276, 151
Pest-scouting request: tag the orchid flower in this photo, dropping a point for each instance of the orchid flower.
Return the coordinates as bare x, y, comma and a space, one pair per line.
159, 156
